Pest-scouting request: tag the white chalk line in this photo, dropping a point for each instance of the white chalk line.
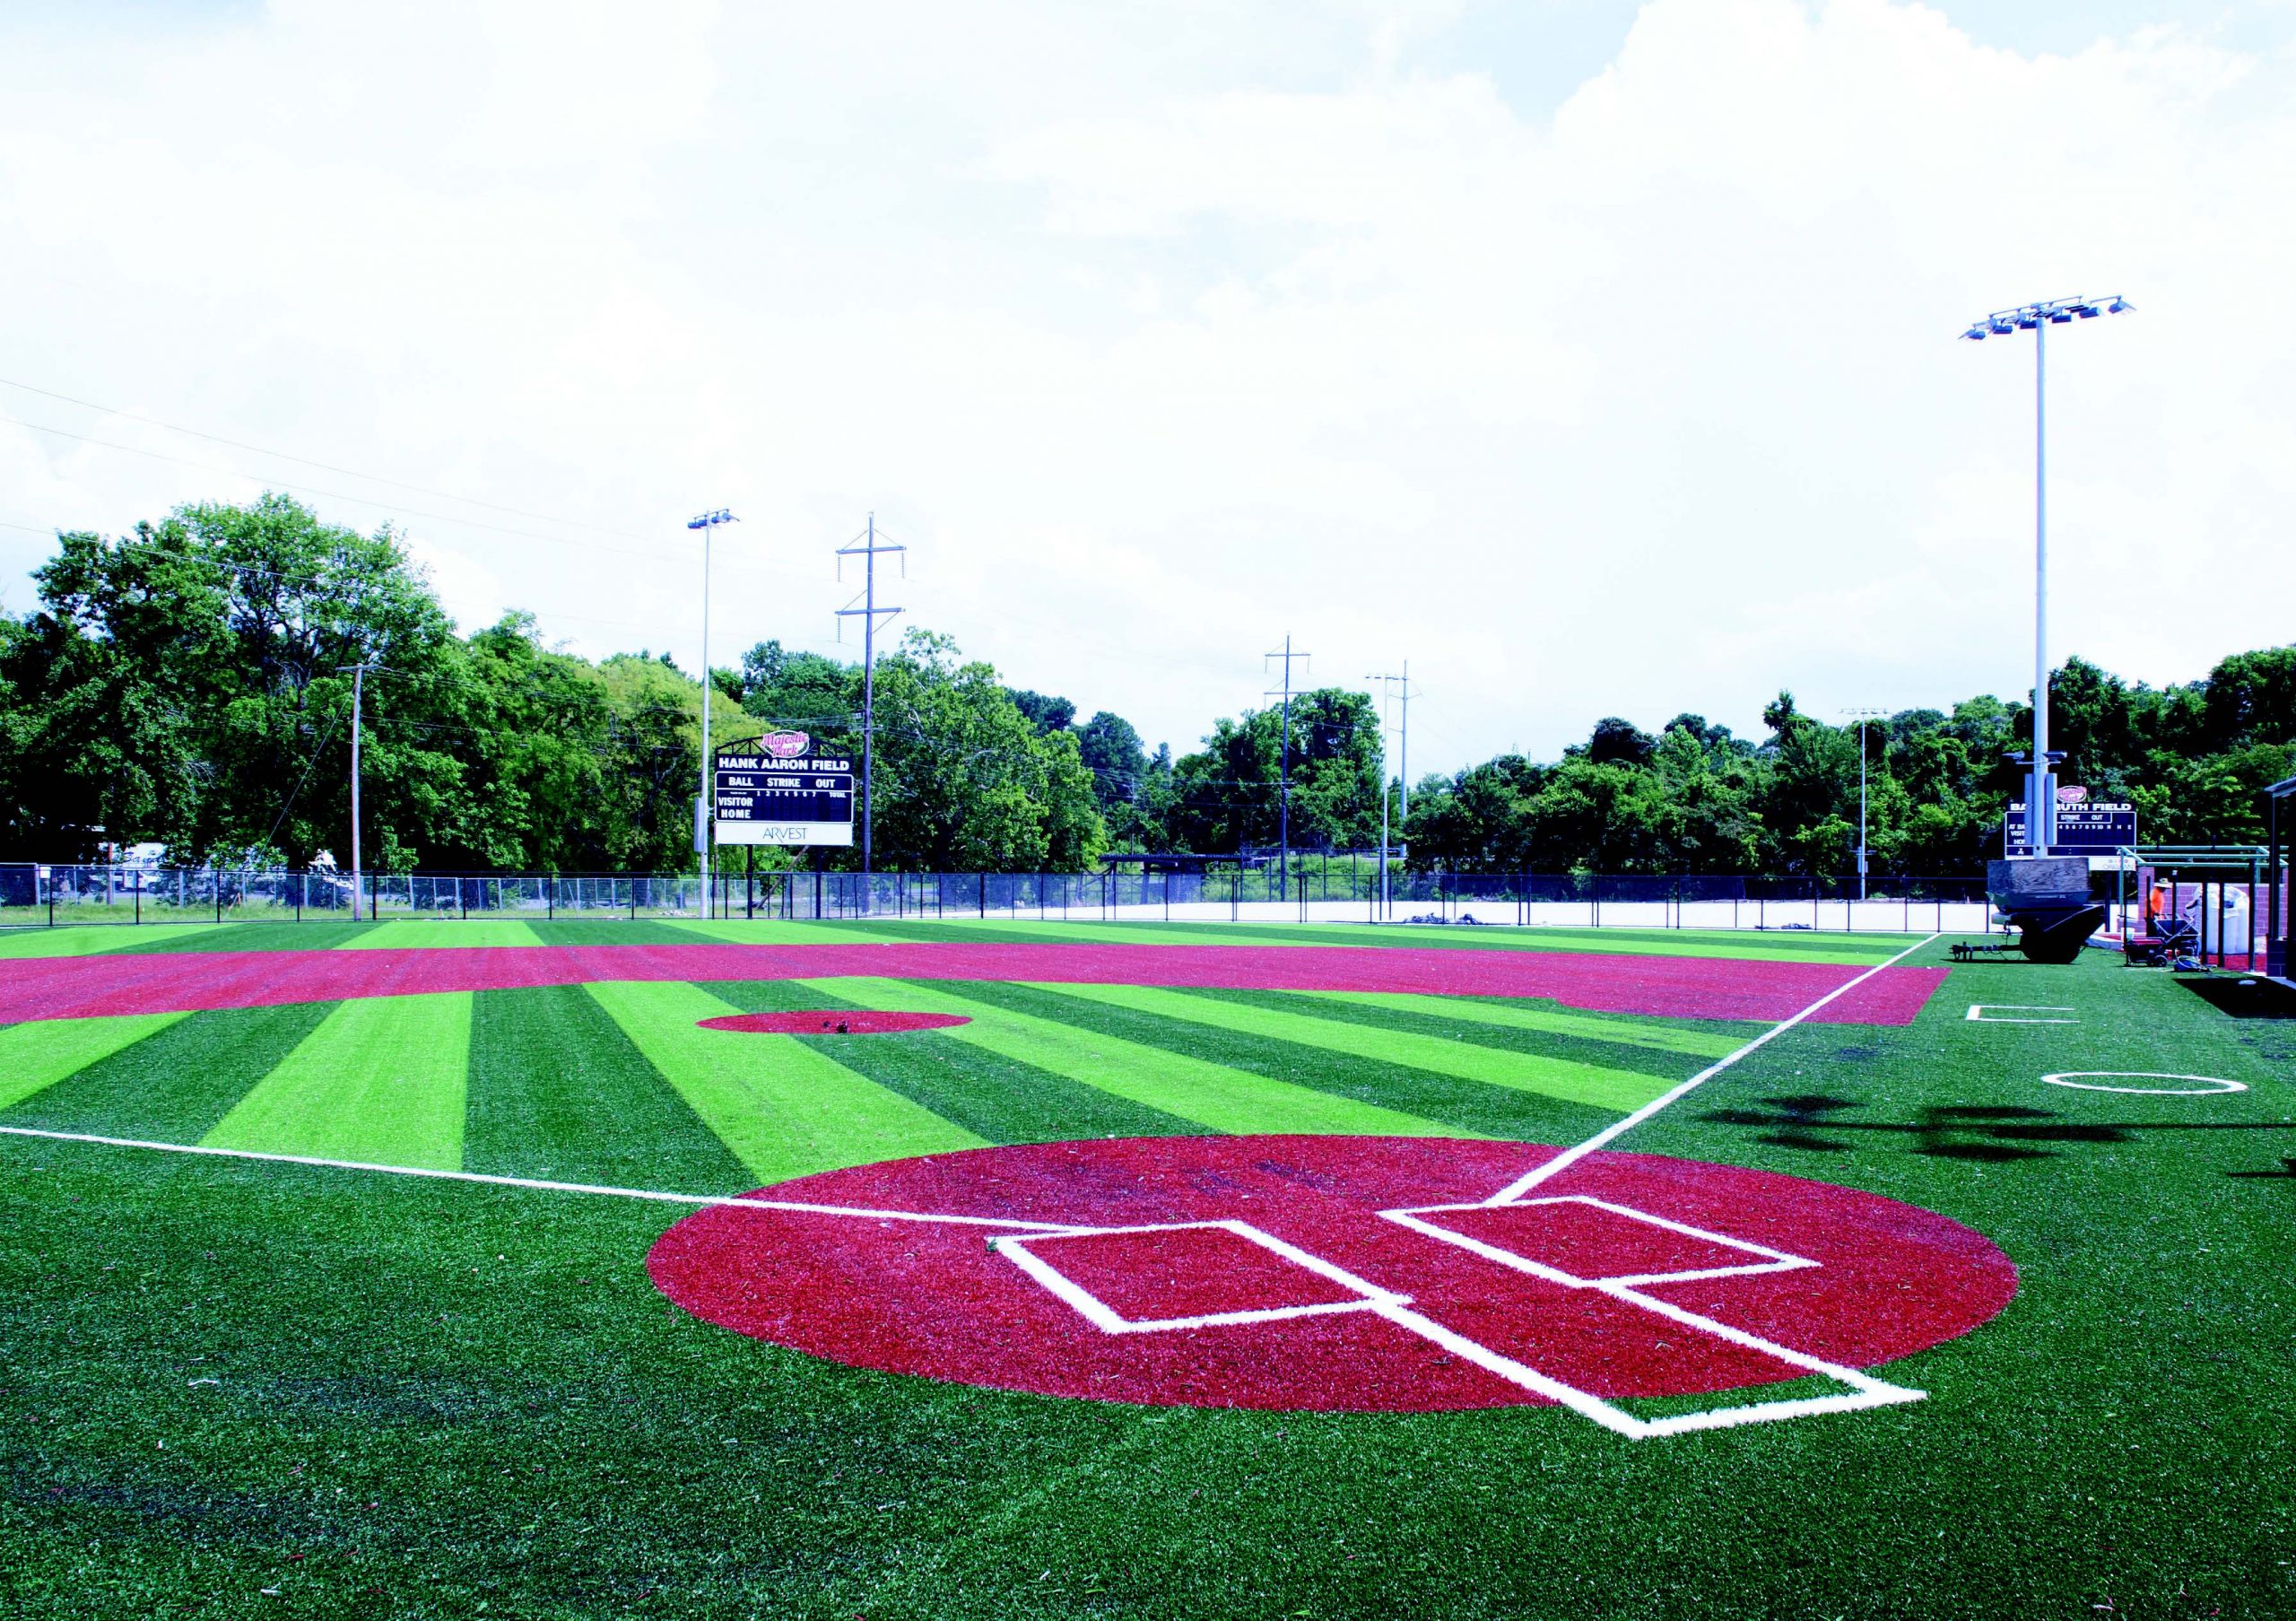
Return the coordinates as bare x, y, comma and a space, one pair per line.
1865, 1391
1617, 1128
1982, 1013
539, 1185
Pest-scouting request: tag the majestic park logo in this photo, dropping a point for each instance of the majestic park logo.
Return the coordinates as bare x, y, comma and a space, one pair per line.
785, 745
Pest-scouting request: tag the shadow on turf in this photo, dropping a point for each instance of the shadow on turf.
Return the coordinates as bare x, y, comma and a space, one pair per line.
1997, 1135
2243, 995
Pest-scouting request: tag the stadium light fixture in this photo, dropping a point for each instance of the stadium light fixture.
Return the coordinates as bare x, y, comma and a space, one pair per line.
2041, 791
705, 522
1862, 714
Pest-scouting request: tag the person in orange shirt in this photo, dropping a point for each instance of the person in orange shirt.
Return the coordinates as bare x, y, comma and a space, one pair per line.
2156, 907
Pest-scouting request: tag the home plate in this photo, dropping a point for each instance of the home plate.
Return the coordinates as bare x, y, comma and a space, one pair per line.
1342, 1273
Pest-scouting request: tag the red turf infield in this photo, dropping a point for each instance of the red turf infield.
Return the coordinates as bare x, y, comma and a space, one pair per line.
936, 1300
64, 988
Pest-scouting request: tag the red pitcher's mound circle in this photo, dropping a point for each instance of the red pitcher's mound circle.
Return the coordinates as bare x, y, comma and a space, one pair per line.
1339, 1273
832, 1020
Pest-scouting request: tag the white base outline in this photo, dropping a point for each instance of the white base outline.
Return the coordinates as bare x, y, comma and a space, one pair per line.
2218, 1086
1866, 1391
1105, 1318
1773, 1261
1979, 1010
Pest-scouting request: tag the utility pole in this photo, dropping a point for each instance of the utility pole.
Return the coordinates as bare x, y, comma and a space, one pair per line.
1862, 717
1391, 686
705, 522
1283, 815
2040, 798
357, 674
865, 547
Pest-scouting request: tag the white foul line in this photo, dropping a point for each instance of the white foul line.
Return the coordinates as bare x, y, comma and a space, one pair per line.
1617, 1128
736, 1200
1865, 1390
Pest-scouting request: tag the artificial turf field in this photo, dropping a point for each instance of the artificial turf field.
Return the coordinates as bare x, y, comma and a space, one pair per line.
232, 1384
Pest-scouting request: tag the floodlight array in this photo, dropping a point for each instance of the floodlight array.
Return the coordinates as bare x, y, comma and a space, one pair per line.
2056, 312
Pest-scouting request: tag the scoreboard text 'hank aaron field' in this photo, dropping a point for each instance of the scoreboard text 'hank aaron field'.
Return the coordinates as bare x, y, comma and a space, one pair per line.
778, 791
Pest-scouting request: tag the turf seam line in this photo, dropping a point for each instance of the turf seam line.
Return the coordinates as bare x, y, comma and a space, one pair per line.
538, 1185
1611, 1133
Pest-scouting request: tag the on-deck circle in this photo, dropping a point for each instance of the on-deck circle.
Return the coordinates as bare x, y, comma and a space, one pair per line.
2214, 1085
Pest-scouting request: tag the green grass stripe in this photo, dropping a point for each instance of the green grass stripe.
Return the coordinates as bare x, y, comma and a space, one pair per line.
1515, 1015
743, 931
35, 1056
434, 933
89, 939
1469, 1108
783, 1108
385, 1081
1148, 934
992, 1096
1765, 945
608, 931
174, 1085
319, 934
1227, 1100
558, 1091
1566, 1078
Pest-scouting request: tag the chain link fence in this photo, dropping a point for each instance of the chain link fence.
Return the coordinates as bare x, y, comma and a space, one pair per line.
1313, 890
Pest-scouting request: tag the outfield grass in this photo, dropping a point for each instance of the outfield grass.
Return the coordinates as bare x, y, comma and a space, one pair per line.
374, 1395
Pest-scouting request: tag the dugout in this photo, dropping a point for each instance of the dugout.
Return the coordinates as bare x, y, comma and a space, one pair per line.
2232, 895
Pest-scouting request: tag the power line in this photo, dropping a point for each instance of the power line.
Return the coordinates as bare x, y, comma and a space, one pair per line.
865, 546
236, 444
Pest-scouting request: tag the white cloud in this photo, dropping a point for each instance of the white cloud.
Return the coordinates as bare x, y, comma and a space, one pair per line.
1158, 338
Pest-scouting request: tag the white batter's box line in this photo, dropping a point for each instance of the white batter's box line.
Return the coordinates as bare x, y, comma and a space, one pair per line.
1982, 1013
1015, 1248
1865, 1390
1772, 1260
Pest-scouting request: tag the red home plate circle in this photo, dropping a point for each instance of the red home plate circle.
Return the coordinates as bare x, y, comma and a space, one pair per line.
1335, 1273
832, 1020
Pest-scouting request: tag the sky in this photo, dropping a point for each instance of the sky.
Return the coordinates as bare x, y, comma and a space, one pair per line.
1596, 359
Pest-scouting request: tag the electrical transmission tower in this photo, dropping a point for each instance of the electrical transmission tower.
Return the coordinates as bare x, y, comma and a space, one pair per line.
866, 547
1283, 815
1392, 688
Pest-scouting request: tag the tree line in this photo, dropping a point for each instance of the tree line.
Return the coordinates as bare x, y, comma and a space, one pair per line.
191, 684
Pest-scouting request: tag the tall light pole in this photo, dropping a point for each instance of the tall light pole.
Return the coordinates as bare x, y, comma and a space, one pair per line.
2041, 794
357, 674
705, 522
1862, 715
1391, 686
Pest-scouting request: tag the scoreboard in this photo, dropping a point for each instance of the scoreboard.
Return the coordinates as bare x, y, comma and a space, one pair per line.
765, 796
2084, 827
